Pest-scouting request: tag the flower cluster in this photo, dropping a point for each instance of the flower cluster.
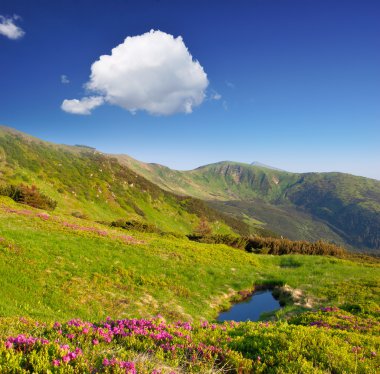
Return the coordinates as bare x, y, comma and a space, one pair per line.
337, 319
127, 365
154, 346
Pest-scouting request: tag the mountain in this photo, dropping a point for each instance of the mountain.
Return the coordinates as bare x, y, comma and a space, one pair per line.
89, 184
337, 207
333, 206
261, 165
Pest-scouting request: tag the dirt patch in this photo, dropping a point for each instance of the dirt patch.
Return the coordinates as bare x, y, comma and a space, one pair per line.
288, 295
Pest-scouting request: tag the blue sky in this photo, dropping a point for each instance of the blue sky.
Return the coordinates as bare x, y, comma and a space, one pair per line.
297, 81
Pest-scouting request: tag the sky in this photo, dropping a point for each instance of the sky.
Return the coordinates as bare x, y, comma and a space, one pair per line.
290, 83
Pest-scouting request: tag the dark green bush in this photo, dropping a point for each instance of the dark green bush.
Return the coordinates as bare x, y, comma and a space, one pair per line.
276, 246
230, 240
79, 215
136, 225
29, 195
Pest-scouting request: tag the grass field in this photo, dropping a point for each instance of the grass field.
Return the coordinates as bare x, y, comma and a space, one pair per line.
55, 268
59, 267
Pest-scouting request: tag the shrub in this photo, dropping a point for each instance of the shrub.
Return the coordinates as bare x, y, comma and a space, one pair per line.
79, 215
230, 240
203, 228
136, 225
29, 195
276, 246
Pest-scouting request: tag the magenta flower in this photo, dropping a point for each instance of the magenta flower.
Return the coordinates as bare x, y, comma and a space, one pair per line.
66, 358
56, 363
8, 344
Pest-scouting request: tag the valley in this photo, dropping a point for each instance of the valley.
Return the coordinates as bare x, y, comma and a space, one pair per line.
109, 251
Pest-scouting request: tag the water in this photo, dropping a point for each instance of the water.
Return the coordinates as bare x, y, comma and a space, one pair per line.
251, 308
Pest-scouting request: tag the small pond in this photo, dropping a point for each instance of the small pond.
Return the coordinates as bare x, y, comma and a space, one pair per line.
251, 308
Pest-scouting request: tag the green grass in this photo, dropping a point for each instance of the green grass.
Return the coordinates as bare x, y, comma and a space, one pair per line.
62, 267
87, 182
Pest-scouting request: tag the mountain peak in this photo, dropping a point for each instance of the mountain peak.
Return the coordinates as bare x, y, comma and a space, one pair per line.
261, 165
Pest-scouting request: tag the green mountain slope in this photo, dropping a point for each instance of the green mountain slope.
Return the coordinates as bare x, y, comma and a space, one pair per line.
89, 184
334, 206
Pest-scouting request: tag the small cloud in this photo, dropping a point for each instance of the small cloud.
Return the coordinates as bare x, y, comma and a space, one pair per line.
154, 72
83, 106
230, 84
64, 79
9, 29
215, 96
225, 106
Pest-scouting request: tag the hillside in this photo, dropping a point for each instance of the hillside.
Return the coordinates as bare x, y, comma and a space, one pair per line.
334, 206
110, 284
88, 184
79, 295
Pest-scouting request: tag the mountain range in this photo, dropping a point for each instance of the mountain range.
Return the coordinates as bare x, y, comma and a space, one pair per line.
234, 197
337, 207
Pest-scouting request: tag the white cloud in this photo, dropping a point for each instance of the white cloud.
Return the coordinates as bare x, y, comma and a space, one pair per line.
82, 106
9, 29
64, 79
153, 72
215, 96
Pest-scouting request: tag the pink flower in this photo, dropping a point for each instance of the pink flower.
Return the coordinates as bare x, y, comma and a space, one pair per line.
78, 351
56, 363
66, 358
8, 345
95, 341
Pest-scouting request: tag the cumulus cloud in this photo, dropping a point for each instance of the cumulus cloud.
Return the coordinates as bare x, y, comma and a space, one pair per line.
153, 72
64, 79
9, 29
82, 106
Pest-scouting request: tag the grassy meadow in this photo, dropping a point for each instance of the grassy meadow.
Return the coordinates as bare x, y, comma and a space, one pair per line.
58, 267
82, 297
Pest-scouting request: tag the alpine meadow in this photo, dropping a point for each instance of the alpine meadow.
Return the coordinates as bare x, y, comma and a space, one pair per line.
128, 246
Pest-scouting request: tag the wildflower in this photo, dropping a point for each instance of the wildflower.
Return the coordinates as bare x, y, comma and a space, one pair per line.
56, 363
66, 358
95, 341
8, 344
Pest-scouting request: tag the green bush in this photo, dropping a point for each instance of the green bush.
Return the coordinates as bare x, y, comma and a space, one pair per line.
230, 240
136, 225
29, 195
281, 246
